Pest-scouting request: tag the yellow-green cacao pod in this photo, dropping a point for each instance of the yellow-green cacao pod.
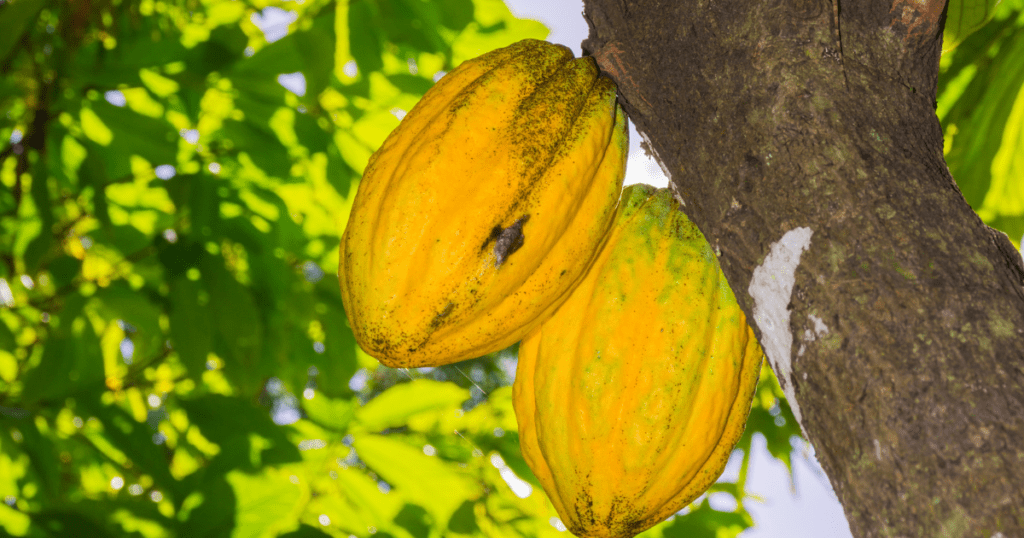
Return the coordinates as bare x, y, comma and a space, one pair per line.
632, 395
484, 207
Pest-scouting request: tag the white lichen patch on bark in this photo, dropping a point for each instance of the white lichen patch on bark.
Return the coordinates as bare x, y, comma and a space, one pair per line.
771, 287
820, 329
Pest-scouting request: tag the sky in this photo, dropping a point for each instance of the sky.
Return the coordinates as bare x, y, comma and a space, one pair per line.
807, 507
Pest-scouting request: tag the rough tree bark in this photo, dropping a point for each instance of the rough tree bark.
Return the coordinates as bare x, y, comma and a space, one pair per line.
801, 137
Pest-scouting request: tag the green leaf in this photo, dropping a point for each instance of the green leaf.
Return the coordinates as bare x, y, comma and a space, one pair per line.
1005, 195
70, 362
63, 270
463, 520
287, 351
190, 323
278, 57
41, 244
414, 519
414, 24
356, 503
455, 14
316, 48
981, 121
309, 51
15, 19
236, 321
340, 175
494, 27
134, 134
37, 250
231, 422
310, 134
306, 531
258, 142
1012, 226
338, 362
181, 256
411, 84
127, 239
95, 65
364, 36
225, 47
203, 203
69, 523
416, 476
42, 452
113, 164
264, 502
705, 522
119, 301
394, 406
241, 230
963, 17
6, 337
214, 514
135, 440
331, 413
777, 438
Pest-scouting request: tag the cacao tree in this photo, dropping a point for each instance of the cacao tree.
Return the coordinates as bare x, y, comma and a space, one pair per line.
802, 138
174, 174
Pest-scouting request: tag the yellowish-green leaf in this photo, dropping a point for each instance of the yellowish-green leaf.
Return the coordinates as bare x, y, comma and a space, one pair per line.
425, 480
138, 99
224, 12
396, 405
342, 50
266, 503
355, 152
94, 128
963, 17
16, 523
329, 412
1006, 192
479, 36
158, 84
353, 502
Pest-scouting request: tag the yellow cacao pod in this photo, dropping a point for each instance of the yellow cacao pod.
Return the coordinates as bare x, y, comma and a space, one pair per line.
631, 396
484, 207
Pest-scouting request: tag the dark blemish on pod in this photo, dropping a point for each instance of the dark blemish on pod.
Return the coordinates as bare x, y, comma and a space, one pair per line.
439, 318
508, 240
495, 234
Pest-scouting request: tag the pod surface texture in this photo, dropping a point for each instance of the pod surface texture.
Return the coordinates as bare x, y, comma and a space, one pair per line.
632, 395
484, 207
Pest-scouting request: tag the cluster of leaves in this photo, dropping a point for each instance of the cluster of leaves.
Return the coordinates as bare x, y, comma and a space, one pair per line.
174, 355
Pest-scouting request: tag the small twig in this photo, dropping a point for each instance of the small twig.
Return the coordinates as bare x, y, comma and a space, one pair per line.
471, 381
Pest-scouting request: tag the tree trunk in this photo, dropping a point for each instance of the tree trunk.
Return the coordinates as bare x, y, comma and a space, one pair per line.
801, 137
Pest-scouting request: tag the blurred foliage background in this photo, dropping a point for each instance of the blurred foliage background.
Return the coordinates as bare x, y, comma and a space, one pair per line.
174, 356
